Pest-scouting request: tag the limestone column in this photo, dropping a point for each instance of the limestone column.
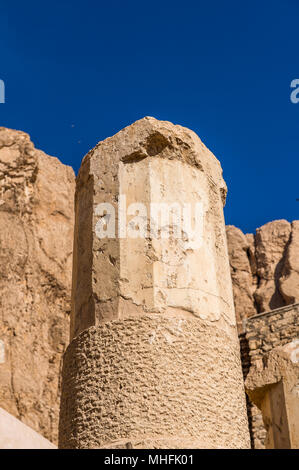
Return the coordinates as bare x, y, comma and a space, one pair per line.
154, 358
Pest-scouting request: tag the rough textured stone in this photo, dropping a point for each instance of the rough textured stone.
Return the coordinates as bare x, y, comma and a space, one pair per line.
273, 385
289, 281
264, 267
144, 383
271, 243
265, 332
36, 234
154, 360
240, 252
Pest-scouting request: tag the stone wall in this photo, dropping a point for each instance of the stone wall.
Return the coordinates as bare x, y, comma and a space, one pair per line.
264, 332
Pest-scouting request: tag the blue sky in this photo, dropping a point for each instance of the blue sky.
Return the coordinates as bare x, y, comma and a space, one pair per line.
77, 72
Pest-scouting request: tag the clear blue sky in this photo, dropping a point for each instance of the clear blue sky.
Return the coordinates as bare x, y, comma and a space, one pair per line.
76, 72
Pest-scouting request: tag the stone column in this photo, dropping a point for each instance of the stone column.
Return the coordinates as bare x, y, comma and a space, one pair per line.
154, 360
273, 385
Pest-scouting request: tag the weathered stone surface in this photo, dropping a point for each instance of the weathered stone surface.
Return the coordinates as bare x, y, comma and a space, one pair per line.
149, 162
154, 360
16, 435
289, 281
271, 243
273, 385
239, 251
264, 267
36, 235
154, 383
264, 333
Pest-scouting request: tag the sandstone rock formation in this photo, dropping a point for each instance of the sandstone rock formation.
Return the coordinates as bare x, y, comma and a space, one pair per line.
271, 242
289, 282
243, 272
264, 267
36, 236
154, 361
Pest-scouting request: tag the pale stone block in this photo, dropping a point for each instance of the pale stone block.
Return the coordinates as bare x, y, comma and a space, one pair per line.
16, 435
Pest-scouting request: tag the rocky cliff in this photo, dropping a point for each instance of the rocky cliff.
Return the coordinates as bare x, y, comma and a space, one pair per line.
264, 267
36, 237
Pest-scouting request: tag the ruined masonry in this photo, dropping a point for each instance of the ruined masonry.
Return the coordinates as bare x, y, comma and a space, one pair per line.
270, 356
154, 358
264, 270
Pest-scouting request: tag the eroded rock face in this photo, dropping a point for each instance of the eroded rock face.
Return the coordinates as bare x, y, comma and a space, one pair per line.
243, 278
36, 237
271, 242
264, 267
289, 282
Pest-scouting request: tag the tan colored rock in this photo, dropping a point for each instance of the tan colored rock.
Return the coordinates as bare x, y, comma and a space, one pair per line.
264, 267
241, 256
36, 234
154, 361
252, 258
273, 385
271, 282
289, 281
145, 167
271, 243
